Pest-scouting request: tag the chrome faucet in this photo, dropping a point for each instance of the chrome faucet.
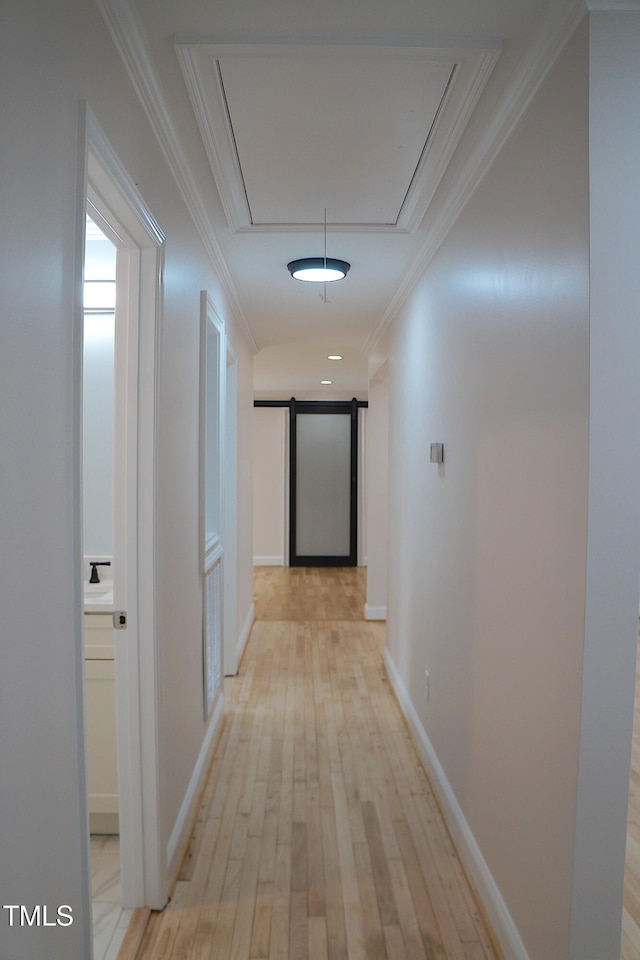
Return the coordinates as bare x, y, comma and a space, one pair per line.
94, 564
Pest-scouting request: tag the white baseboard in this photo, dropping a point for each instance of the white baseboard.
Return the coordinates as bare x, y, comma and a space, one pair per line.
276, 561
181, 833
246, 630
374, 613
492, 901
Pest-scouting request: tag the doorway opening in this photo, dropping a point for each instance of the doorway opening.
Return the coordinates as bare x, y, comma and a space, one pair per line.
99, 329
111, 200
310, 479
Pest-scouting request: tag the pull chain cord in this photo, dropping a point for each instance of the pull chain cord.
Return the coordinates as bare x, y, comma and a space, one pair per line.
323, 296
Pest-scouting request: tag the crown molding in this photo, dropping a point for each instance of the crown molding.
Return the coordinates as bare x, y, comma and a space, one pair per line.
613, 6
548, 42
219, 143
110, 165
468, 80
128, 37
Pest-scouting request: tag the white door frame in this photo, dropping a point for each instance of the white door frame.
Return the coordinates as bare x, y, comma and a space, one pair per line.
112, 198
230, 520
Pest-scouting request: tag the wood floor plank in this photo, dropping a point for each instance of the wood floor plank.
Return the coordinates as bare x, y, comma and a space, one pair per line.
374, 940
299, 931
336, 929
169, 923
423, 908
380, 866
201, 947
188, 863
318, 949
279, 947
431, 868
315, 856
353, 912
135, 934
245, 908
258, 808
299, 870
268, 849
202, 866
150, 936
394, 944
412, 938
261, 932
223, 930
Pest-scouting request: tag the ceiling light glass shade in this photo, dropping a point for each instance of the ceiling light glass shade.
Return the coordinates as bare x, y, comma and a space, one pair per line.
318, 269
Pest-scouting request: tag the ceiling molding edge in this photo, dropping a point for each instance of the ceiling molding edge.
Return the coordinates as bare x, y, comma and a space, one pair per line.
128, 38
547, 43
424, 185
220, 150
257, 228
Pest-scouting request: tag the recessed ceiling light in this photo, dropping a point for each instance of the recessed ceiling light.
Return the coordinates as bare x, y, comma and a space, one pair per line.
318, 269
326, 382
334, 356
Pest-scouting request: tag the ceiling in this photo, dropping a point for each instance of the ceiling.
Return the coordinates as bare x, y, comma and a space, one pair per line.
373, 111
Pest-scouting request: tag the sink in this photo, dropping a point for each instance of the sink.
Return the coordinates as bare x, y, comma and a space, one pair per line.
95, 588
98, 596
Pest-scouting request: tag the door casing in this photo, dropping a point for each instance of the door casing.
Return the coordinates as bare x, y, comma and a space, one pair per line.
107, 190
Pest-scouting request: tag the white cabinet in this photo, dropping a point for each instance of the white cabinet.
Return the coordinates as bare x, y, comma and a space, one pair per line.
100, 707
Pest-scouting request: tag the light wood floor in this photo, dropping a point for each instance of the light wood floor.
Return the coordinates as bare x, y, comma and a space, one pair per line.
310, 593
631, 915
318, 836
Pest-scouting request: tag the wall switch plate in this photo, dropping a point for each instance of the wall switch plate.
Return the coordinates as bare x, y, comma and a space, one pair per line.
437, 453
427, 684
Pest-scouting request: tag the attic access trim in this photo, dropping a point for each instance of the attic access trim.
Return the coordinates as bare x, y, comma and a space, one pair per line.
278, 121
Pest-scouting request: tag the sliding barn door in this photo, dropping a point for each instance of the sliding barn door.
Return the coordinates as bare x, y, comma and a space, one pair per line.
323, 484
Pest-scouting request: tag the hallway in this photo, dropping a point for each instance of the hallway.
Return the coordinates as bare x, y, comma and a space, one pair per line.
318, 836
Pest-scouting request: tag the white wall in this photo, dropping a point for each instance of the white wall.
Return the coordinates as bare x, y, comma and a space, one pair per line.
487, 552
49, 61
614, 480
377, 472
270, 437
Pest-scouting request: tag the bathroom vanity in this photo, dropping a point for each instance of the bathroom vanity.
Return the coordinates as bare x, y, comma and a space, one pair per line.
100, 707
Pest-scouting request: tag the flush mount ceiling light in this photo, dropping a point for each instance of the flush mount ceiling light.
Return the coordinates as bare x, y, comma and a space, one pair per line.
319, 269
334, 356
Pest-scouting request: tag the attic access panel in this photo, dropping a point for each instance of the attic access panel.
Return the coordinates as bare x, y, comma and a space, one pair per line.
365, 131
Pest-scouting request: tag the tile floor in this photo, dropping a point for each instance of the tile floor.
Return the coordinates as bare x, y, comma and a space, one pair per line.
110, 921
